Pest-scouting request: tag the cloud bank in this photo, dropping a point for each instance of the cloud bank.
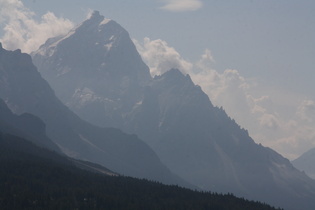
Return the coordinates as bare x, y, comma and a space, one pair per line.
181, 5
160, 57
289, 131
22, 31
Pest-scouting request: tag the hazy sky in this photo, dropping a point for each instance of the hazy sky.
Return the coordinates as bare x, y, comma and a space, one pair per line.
255, 58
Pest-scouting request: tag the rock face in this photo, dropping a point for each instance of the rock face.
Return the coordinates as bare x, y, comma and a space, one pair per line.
25, 91
306, 163
110, 86
104, 68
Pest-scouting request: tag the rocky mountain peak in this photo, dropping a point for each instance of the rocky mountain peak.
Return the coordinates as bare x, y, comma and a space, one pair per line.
98, 49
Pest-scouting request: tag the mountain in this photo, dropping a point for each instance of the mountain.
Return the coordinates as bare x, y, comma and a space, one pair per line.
306, 163
104, 68
25, 91
30, 127
194, 139
36, 178
203, 145
26, 126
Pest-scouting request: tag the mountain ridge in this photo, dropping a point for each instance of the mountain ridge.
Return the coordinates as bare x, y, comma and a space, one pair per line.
306, 163
27, 126
94, 39
194, 139
24, 90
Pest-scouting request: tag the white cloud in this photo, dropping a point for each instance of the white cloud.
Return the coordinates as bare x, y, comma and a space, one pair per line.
306, 111
181, 5
274, 125
22, 31
228, 89
160, 57
284, 125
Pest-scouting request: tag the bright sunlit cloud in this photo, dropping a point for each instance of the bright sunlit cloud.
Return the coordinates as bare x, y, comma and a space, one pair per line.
22, 31
181, 5
160, 57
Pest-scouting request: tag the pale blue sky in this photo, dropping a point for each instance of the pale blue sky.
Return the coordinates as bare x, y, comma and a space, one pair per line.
271, 43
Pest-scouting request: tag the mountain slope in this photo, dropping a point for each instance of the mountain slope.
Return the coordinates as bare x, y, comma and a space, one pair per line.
26, 126
30, 127
36, 178
194, 139
24, 90
104, 68
203, 145
306, 163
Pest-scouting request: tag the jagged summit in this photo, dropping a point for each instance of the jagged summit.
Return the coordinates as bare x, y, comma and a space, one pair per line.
99, 50
103, 39
175, 75
96, 30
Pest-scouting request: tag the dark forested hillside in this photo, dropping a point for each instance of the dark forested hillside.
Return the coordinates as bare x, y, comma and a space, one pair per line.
35, 178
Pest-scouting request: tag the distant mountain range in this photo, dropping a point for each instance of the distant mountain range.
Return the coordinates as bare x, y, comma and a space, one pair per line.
35, 174
96, 71
306, 163
25, 91
105, 82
